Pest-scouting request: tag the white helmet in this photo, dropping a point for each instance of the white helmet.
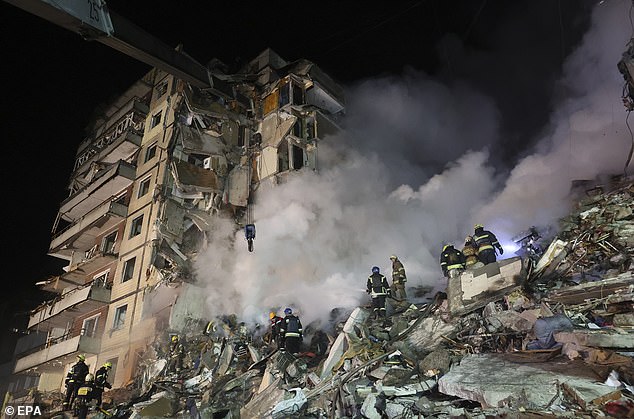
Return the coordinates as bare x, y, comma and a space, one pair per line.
89, 377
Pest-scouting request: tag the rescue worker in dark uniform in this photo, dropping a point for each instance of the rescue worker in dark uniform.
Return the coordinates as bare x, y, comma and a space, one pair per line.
276, 325
101, 381
85, 394
398, 279
487, 243
452, 261
177, 355
291, 329
379, 290
74, 379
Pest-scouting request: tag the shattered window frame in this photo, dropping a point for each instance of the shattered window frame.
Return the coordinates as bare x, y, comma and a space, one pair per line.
93, 332
136, 226
110, 238
101, 279
161, 88
128, 269
119, 317
144, 187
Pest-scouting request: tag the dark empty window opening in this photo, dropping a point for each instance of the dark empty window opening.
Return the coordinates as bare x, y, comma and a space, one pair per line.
241, 135
156, 119
108, 243
128, 269
144, 187
298, 95
119, 317
136, 226
150, 153
284, 94
282, 157
161, 89
298, 157
297, 129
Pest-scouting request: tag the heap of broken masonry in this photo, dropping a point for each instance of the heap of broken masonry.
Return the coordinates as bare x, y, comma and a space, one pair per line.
517, 338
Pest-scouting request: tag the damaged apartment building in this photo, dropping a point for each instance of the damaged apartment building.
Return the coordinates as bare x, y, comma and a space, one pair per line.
162, 162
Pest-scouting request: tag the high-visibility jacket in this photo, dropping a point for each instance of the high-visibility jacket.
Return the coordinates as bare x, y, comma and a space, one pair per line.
101, 378
377, 285
77, 373
291, 327
485, 240
451, 258
398, 271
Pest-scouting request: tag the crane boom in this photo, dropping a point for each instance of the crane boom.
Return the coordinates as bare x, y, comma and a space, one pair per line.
93, 21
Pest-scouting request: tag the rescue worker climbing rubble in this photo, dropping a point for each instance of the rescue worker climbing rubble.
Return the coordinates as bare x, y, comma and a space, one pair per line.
101, 382
177, 355
487, 243
379, 290
452, 261
470, 252
398, 279
74, 379
276, 324
291, 329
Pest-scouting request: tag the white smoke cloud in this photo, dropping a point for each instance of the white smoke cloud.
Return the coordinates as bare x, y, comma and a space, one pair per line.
376, 194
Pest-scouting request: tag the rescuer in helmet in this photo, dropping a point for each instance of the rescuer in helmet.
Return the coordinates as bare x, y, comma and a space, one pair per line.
291, 329
74, 379
101, 381
398, 279
85, 394
379, 289
487, 243
452, 261
276, 326
470, 252
177, 355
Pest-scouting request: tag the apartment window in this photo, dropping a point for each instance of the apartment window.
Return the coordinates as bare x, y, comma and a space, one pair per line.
119, 317
89, 328
298, 95
161, 89
128, 269
108, 243
101, 279
284, 95
156, 119
136, 226
150, 153
144, 187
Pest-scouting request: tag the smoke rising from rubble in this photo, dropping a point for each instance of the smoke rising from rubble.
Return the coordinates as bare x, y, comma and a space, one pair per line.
410, 171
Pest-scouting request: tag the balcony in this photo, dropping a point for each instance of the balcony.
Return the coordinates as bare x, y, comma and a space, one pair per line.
107, 183
60, 350
58, 313
81, 235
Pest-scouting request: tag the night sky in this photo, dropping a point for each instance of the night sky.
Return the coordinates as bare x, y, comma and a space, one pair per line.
511, 51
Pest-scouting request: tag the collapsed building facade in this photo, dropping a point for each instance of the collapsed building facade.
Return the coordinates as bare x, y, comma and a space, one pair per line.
162, 162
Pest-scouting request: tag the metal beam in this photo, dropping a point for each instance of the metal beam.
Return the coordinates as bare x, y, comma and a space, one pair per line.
92, 21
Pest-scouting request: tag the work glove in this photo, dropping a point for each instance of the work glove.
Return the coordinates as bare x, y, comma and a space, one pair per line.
501, 250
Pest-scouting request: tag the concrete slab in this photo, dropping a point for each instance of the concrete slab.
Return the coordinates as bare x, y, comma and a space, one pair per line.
476, 288
492, 380
597, 338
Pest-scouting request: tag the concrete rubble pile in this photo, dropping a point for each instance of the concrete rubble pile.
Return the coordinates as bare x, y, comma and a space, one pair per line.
516, 338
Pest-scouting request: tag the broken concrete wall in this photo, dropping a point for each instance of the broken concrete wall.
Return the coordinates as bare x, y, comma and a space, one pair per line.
476, 288
189, 308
